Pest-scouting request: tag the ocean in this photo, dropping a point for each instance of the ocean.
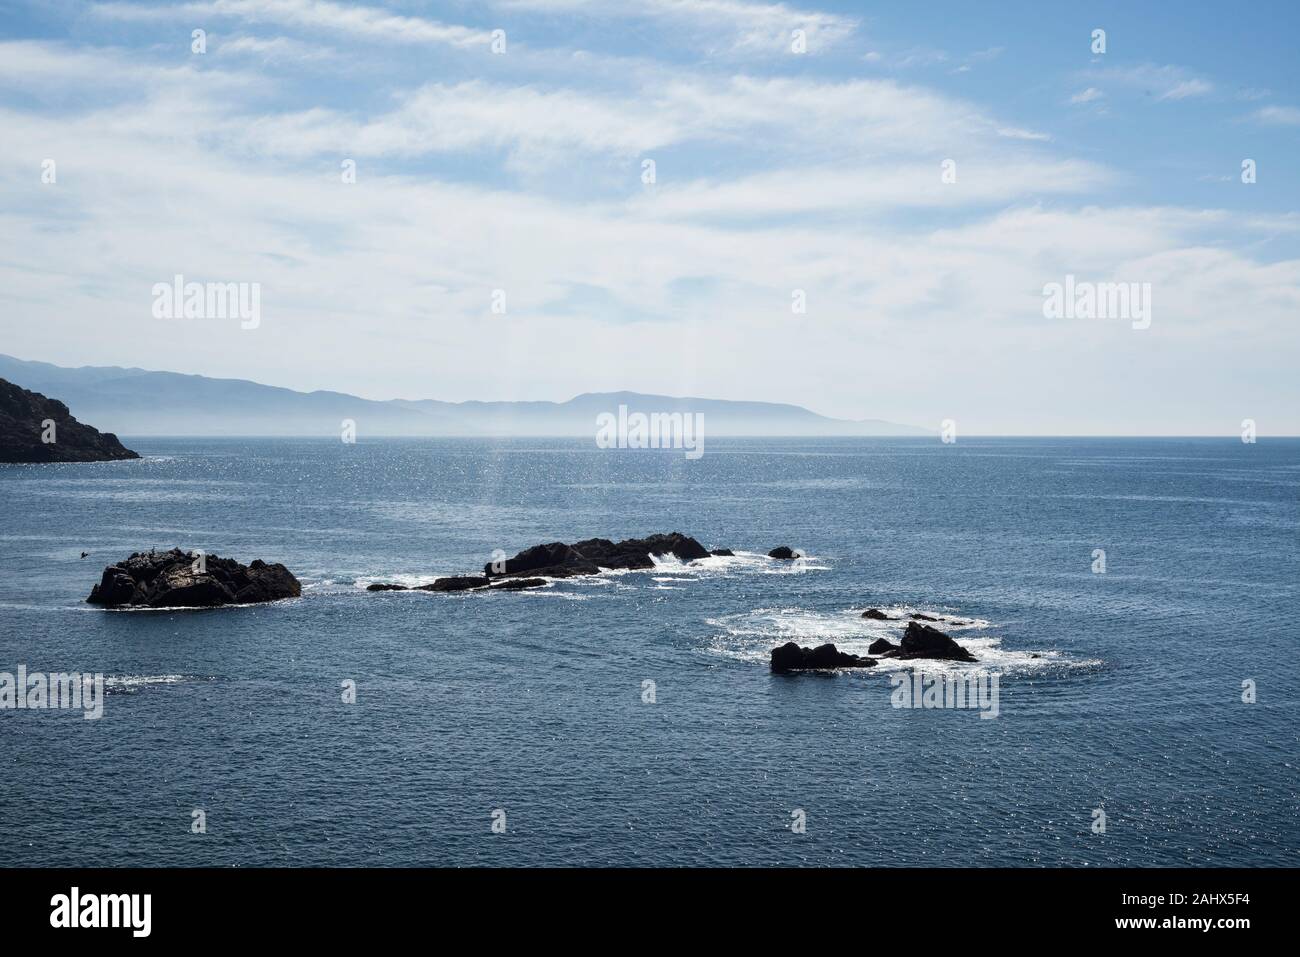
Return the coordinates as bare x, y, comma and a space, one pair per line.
631, 718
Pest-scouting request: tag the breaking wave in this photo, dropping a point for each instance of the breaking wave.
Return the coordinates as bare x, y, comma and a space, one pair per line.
751, 636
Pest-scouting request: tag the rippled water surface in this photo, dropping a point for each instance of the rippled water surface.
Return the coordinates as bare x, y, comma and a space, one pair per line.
1120, 691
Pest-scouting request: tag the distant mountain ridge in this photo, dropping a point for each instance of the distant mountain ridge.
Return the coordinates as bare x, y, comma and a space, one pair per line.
131, 401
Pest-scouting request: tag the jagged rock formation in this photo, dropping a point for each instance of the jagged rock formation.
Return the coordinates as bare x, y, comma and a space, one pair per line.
923, 641
177, 579
34, 428
558, 560
791, 657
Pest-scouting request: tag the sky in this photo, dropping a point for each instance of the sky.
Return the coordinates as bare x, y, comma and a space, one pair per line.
913, 174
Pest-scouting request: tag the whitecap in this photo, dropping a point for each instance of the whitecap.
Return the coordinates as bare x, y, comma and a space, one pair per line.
751, 636
132, 683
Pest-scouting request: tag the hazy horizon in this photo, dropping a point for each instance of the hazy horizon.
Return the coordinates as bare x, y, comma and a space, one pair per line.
856, 211
920, 431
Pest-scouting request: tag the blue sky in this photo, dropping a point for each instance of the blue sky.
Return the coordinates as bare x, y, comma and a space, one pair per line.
775, 171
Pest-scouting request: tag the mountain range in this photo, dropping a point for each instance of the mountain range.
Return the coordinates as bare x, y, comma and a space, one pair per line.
131, 401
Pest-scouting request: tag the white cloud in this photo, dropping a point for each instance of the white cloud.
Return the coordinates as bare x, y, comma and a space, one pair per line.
866, 187
43, 68
474, 115
274, 48
347, 20
1165, 83
382, 287
776, 119
1278, 115
1185, 88
1015, 133
744, 26
1087, 96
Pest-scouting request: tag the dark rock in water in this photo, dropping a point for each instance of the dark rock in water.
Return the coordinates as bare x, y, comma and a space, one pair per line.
515, 584
875, 614
558, 560
455, 583
922, 641
447, 583
882, 646
790, 657
556, 555
783, 552
22, 427
723, 553
919, 617
588, 557
177, 579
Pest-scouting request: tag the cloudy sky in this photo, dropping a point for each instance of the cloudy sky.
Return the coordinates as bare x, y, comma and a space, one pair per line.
520, 166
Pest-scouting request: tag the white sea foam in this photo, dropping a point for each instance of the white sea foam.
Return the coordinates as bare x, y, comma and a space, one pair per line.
945, 620
143, 609
751, 636
666, 568
541, 591
132, 682
409, 580
740, 563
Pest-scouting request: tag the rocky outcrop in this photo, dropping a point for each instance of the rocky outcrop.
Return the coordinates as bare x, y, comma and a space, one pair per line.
875, 614
917, 616
923, 641
449, 583
791, 657
533, 566
455, 583
783, 552
177, 579
723, 553
558, 560
919, 642
25, 435
516, 584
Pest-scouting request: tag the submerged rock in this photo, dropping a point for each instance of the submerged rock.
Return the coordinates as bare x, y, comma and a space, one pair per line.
882, 647
177, 579
455, 583
515, 584
875, 614
791, 657
588, 557
917, 616
783, 552
723, 553
447, 583
923, 641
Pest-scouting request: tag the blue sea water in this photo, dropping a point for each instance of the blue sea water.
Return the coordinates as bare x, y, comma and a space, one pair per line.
532, 703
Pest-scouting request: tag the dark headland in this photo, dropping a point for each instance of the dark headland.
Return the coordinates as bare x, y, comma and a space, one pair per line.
35, 428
